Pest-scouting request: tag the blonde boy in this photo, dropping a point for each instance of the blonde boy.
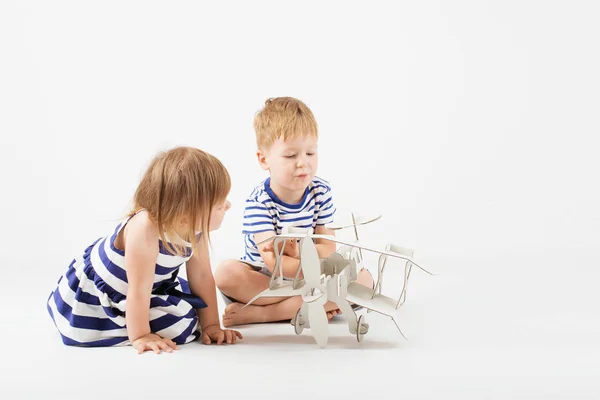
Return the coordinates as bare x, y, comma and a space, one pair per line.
286, 136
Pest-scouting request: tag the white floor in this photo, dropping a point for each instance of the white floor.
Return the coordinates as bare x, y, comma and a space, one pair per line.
499, 326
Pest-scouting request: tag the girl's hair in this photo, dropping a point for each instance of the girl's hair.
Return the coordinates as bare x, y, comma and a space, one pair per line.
183, 182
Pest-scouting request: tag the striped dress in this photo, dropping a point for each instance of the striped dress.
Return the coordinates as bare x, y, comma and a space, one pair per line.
265, 212
88, 305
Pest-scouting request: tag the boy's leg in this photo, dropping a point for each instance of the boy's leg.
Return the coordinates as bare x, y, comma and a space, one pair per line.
237, 280
240, 283
281, 311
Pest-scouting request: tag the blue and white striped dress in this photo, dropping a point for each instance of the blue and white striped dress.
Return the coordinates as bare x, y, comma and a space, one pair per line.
265, 212
88, 306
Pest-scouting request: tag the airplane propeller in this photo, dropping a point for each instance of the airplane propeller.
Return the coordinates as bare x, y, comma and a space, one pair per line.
314, 301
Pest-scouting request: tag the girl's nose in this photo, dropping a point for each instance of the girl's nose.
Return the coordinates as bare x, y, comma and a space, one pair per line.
227, 205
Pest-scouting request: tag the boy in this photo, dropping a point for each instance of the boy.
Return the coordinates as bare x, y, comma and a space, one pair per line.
286, 135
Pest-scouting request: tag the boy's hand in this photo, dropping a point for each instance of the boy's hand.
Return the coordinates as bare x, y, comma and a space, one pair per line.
216, 334
290, 250
154, 342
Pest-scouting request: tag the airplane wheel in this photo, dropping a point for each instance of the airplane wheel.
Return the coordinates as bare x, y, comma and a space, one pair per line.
361, 328
298, 323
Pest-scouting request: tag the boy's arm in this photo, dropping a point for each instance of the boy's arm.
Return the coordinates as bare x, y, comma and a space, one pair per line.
289, 265
325, 247
324, 215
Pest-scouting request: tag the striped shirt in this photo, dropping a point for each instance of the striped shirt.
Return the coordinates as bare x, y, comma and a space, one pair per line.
265, 212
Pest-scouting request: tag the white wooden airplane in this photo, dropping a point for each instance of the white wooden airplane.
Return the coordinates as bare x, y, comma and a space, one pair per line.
334, 279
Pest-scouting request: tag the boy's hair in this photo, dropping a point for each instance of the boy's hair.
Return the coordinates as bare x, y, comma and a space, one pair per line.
283, 116
182, 182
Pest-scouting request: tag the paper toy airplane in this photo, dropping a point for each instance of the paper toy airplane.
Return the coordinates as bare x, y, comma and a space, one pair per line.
334, 279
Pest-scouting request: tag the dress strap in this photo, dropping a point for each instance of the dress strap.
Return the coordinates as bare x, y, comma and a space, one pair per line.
122, 226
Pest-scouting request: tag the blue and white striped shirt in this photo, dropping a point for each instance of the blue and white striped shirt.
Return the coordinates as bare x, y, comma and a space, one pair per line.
265, 212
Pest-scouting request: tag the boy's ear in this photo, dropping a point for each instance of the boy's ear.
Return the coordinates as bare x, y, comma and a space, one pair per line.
262, 159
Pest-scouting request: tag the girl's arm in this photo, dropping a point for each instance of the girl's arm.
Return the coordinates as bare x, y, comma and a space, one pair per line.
202, 284
141, 244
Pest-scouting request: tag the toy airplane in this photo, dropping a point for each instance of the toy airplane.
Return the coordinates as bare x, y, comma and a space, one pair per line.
334, 279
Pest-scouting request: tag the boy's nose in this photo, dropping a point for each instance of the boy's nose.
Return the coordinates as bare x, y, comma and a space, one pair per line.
227, 205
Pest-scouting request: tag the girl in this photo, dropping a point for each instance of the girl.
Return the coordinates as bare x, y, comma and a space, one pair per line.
124, 288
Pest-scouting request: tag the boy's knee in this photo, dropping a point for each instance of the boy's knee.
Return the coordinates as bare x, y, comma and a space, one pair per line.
227, 273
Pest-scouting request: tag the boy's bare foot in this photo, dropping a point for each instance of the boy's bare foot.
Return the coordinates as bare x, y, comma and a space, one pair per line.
365, 278
333, 313
235, 315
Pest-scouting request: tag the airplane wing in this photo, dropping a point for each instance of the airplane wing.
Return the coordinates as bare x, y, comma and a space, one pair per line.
388, 253
297, 236
353, 244
357, 221
285, 290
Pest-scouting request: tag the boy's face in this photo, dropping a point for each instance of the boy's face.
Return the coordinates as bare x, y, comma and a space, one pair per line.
292, 163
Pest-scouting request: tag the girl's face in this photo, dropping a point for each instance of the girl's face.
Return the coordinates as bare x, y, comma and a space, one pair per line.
217, 215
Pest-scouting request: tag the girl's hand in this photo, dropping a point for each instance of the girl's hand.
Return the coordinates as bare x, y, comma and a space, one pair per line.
154, 342
216, 334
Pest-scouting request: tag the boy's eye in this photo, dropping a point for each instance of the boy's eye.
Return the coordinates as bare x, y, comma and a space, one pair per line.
310, 154
290, 156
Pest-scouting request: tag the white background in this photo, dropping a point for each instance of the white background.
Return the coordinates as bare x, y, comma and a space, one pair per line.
471, 126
